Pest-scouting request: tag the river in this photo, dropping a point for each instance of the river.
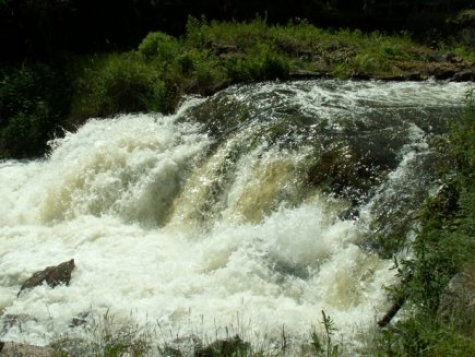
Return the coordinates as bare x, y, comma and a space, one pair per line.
249, 212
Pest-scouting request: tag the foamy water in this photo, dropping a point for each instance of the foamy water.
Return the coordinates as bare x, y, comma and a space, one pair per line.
169, 232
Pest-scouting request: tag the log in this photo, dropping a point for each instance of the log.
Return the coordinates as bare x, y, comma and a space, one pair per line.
393, 310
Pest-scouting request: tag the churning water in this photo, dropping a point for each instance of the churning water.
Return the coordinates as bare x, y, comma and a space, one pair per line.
245, 213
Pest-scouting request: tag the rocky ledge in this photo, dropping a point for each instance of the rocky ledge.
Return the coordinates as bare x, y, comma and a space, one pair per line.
445, 70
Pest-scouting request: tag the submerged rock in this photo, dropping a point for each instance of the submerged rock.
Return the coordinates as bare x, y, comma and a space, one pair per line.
53, 276
9, 320
12, 349
224, 348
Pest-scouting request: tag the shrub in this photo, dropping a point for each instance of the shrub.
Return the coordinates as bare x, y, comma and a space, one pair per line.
262, 64
117, 84
160, 46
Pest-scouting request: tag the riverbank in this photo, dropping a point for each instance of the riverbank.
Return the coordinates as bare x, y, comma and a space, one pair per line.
41, 99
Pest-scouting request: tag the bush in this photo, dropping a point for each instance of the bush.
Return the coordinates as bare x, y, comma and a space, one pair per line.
117, 84
159, 45
264, 64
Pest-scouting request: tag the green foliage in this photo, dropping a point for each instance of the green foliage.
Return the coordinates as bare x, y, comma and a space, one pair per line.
160, 46
462, 137
117, 83
264, 64
33, 103
194, 31
325, 347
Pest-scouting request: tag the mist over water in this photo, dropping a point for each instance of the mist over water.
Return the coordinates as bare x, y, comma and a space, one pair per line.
224, 218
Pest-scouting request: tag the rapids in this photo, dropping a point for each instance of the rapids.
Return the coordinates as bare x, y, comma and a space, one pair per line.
246, 213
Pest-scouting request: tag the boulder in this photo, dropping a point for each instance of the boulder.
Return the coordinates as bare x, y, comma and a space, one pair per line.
457, 302
53, 276
224, 348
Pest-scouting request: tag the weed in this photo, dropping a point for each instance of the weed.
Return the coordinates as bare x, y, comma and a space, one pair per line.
325, 347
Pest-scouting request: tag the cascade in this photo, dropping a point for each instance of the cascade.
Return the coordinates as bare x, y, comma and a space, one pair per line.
249, 212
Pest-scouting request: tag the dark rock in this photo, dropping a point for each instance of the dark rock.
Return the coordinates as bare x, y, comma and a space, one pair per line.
1, 345
182, 346
171, 352
79, 320
361, 76
224, 348
467, 75
390, 77
444, 73
53, 276
13, 349
301, 75
415, 76
457, 302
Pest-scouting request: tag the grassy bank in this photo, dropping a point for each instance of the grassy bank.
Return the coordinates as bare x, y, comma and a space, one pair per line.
213, 55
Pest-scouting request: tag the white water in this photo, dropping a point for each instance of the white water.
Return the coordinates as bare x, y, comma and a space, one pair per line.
125, 198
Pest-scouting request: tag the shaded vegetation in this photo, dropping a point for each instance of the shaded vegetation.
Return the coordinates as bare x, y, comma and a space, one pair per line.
33, 105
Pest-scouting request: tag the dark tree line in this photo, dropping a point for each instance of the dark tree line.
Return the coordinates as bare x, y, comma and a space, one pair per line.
41, 28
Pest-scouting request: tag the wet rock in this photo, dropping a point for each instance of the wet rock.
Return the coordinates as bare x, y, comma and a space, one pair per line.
457, 302
464, 76
53, 276
12, 349
182, 346
443, 72
438, 56
302, 75
224, 348
79, 320
171, 352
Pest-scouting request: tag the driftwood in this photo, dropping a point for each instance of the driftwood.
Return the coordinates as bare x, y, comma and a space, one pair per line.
393, 310
53, 276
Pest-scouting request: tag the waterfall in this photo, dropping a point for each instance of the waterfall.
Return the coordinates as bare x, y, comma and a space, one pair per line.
244, 213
